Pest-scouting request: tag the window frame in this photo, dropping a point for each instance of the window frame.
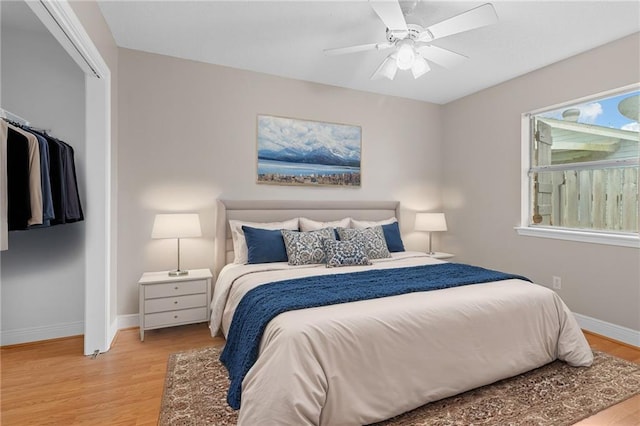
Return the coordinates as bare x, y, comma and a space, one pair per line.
624, 239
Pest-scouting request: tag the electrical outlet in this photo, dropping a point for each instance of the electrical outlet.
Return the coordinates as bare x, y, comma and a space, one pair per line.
557, 283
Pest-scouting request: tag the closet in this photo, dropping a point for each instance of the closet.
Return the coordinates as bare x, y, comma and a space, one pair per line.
54, 281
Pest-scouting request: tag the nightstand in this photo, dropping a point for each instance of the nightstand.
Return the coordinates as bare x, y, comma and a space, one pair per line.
441, 255
167, 301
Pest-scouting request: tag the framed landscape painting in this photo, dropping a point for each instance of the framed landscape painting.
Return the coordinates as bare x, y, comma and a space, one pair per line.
313, 153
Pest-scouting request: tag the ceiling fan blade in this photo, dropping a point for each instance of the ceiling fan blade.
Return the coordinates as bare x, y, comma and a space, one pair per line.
390, 13
359, 48
469, 20
388, 68
442, 57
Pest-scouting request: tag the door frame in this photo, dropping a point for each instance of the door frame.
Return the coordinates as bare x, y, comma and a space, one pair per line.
60, 19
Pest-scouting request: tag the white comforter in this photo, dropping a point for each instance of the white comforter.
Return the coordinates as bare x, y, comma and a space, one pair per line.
361, 362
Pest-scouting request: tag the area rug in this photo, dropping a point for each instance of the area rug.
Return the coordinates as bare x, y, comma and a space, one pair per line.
196, 388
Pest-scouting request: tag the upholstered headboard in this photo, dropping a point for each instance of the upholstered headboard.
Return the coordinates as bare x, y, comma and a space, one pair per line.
273, 211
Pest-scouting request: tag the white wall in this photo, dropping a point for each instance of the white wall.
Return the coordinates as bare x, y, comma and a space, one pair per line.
481, 192
188, 136
42, 276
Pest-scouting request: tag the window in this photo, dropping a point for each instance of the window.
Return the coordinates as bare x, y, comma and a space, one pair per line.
581, 170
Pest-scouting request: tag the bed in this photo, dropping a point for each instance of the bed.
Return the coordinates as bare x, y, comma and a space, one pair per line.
365, 361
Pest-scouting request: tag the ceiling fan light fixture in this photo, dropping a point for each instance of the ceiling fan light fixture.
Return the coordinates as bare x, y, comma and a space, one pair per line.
405, 55
387, 69
420, 67
412, 42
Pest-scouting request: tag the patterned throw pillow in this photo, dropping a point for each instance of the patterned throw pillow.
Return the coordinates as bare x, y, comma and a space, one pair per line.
372, 239
345, 253
306, 248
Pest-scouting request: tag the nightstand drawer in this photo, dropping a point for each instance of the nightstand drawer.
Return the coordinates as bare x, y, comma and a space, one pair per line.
175, 317
175, 289
173, 303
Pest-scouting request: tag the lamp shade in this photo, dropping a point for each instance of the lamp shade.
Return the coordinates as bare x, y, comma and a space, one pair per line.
387, 68
178, 225
430, 222
420, 67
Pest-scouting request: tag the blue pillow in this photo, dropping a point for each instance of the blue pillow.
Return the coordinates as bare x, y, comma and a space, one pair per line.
392, 237
264, 245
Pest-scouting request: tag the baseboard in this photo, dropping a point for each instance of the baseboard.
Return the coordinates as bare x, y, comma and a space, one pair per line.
612, 331
47, 332
128, 321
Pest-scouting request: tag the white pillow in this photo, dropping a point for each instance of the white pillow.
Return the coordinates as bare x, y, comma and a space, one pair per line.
307, 225
240, 243
362, 224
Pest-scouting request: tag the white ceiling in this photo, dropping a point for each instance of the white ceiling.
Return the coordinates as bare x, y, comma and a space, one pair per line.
287, 38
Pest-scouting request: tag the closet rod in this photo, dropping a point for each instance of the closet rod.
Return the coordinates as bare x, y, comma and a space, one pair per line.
13, 117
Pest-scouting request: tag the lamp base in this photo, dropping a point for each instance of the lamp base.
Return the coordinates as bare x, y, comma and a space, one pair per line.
178, 273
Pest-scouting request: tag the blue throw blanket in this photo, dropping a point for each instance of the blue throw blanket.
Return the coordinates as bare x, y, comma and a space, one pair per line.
263, 303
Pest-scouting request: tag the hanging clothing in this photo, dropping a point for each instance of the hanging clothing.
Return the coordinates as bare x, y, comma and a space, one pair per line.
67, 206
56, 176
41, 181
19, 200
73, 210
35, 181
47, 201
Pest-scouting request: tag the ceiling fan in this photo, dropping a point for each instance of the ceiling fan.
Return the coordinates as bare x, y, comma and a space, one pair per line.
412, 43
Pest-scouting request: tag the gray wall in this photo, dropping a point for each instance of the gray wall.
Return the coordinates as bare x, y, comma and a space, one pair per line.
42, 276
481, 192
188, 136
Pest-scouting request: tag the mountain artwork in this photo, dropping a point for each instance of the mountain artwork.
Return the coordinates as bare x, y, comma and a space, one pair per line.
303, 152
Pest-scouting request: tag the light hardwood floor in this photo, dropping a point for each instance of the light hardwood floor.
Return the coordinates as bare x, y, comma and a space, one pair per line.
52, 383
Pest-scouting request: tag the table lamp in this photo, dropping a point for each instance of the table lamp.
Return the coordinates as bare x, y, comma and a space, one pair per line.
177, 225
430, 222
